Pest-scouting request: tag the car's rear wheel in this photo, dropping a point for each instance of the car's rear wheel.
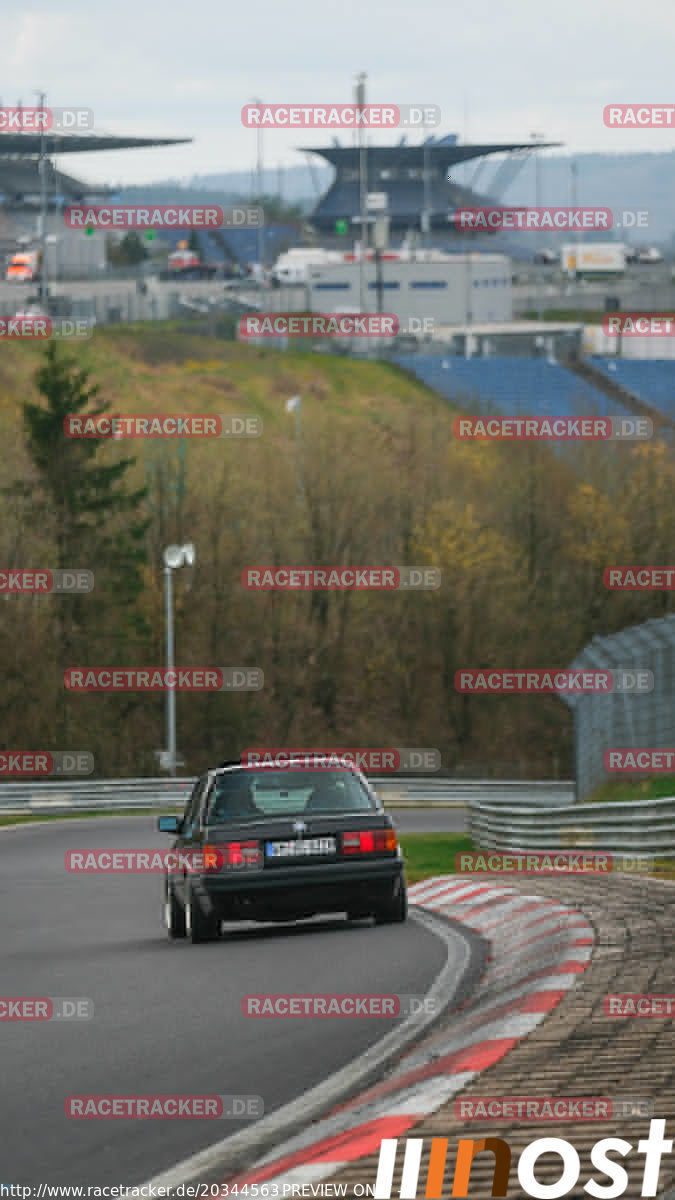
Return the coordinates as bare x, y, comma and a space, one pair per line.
198, 926
395, 911
174, 916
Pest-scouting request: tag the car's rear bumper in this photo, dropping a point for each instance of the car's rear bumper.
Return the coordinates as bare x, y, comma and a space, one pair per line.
284, 892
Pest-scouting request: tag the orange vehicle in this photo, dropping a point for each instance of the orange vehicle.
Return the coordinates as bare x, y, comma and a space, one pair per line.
24, 267
186, 264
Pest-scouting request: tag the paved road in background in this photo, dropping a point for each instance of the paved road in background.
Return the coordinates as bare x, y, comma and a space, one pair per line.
167, 1016
431, 820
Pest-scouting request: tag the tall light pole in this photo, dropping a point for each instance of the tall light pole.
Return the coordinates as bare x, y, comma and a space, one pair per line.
42, 168
295, 405
574, 182
259, 187
174, 557
537, 137
426, 211
468, 338
363, 189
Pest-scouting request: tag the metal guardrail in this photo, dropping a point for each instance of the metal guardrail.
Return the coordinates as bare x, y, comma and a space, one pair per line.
635, 827
504, 814
111, 795
465, 791
92, 795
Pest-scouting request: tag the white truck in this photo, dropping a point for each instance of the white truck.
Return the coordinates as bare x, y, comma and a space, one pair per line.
593, 258
292, 267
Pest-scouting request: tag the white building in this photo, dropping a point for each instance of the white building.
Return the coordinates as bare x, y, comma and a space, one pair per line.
460, 289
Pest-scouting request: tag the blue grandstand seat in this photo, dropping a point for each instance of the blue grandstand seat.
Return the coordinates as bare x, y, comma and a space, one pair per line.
512, 386
243, 243
652, 380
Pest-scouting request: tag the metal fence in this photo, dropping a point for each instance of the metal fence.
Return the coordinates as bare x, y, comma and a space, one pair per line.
615, 719
631, 295
503, 814
641, 827
115, 795
110, 301
109, 307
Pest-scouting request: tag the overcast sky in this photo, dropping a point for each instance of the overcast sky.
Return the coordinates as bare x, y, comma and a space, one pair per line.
498, 71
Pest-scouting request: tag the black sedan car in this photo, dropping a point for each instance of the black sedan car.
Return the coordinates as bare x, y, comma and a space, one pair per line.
277, 844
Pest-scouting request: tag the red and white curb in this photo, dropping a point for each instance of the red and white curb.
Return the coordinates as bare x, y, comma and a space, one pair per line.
539, 948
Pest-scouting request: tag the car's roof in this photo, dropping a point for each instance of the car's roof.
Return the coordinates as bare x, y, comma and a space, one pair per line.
298, 764
300, 761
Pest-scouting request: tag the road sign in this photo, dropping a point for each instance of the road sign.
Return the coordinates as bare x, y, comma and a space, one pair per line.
377, 201
381, 238
164, 757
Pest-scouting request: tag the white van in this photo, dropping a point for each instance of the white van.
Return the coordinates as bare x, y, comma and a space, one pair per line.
291, 267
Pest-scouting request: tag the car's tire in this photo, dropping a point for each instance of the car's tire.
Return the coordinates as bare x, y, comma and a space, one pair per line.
174, 916
198, 926
395, 911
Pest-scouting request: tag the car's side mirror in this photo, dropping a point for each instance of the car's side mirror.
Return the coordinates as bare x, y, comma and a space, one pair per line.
168, 824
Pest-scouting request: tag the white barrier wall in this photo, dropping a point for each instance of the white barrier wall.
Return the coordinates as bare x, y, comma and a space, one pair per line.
598, 342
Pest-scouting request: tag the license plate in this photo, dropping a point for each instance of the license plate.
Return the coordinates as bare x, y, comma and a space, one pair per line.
300, 848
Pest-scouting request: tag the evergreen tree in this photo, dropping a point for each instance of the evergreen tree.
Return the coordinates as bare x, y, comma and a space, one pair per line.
80, 497
90, 516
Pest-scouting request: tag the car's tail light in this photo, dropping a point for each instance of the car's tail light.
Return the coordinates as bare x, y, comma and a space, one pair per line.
212, 858
369, 841
242, 854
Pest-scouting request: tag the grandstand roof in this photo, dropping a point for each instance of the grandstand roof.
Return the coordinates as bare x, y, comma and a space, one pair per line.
27, 144
21, 177
434, 153
406, 200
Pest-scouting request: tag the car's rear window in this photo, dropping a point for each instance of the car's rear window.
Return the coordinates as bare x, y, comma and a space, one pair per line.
252, 795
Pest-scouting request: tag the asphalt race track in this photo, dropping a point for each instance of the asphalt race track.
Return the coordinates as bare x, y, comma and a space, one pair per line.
167, 1017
